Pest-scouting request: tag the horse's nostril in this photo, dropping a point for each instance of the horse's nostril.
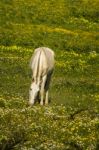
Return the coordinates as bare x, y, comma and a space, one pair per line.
30, 89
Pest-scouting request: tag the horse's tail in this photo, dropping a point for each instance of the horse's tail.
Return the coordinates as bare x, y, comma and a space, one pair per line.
34, 63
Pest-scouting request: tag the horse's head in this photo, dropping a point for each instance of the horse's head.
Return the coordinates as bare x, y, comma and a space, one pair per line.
33, 92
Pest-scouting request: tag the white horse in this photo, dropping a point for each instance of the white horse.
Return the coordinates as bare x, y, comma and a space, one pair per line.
42, 65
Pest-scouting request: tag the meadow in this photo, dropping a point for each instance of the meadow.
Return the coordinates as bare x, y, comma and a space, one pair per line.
71, 120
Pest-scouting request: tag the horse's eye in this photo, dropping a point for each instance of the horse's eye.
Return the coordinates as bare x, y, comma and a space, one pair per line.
30, 89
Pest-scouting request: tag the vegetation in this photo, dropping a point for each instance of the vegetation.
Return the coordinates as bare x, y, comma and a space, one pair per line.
71, 120
65, 24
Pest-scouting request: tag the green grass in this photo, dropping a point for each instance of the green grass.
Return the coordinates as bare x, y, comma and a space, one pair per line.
71, 120
58, 38
58, 24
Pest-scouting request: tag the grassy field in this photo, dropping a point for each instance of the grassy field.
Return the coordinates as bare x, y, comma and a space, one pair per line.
71, 120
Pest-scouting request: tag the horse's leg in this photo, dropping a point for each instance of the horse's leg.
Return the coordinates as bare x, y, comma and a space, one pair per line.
46, 88
42, 91
46, 98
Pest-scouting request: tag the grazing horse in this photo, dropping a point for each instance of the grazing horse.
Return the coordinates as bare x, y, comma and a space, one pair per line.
42, 65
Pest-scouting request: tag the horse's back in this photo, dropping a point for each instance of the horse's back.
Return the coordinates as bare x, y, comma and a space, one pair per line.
43, 55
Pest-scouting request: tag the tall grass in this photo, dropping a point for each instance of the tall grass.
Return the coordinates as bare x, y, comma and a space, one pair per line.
60, 25
71, 120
